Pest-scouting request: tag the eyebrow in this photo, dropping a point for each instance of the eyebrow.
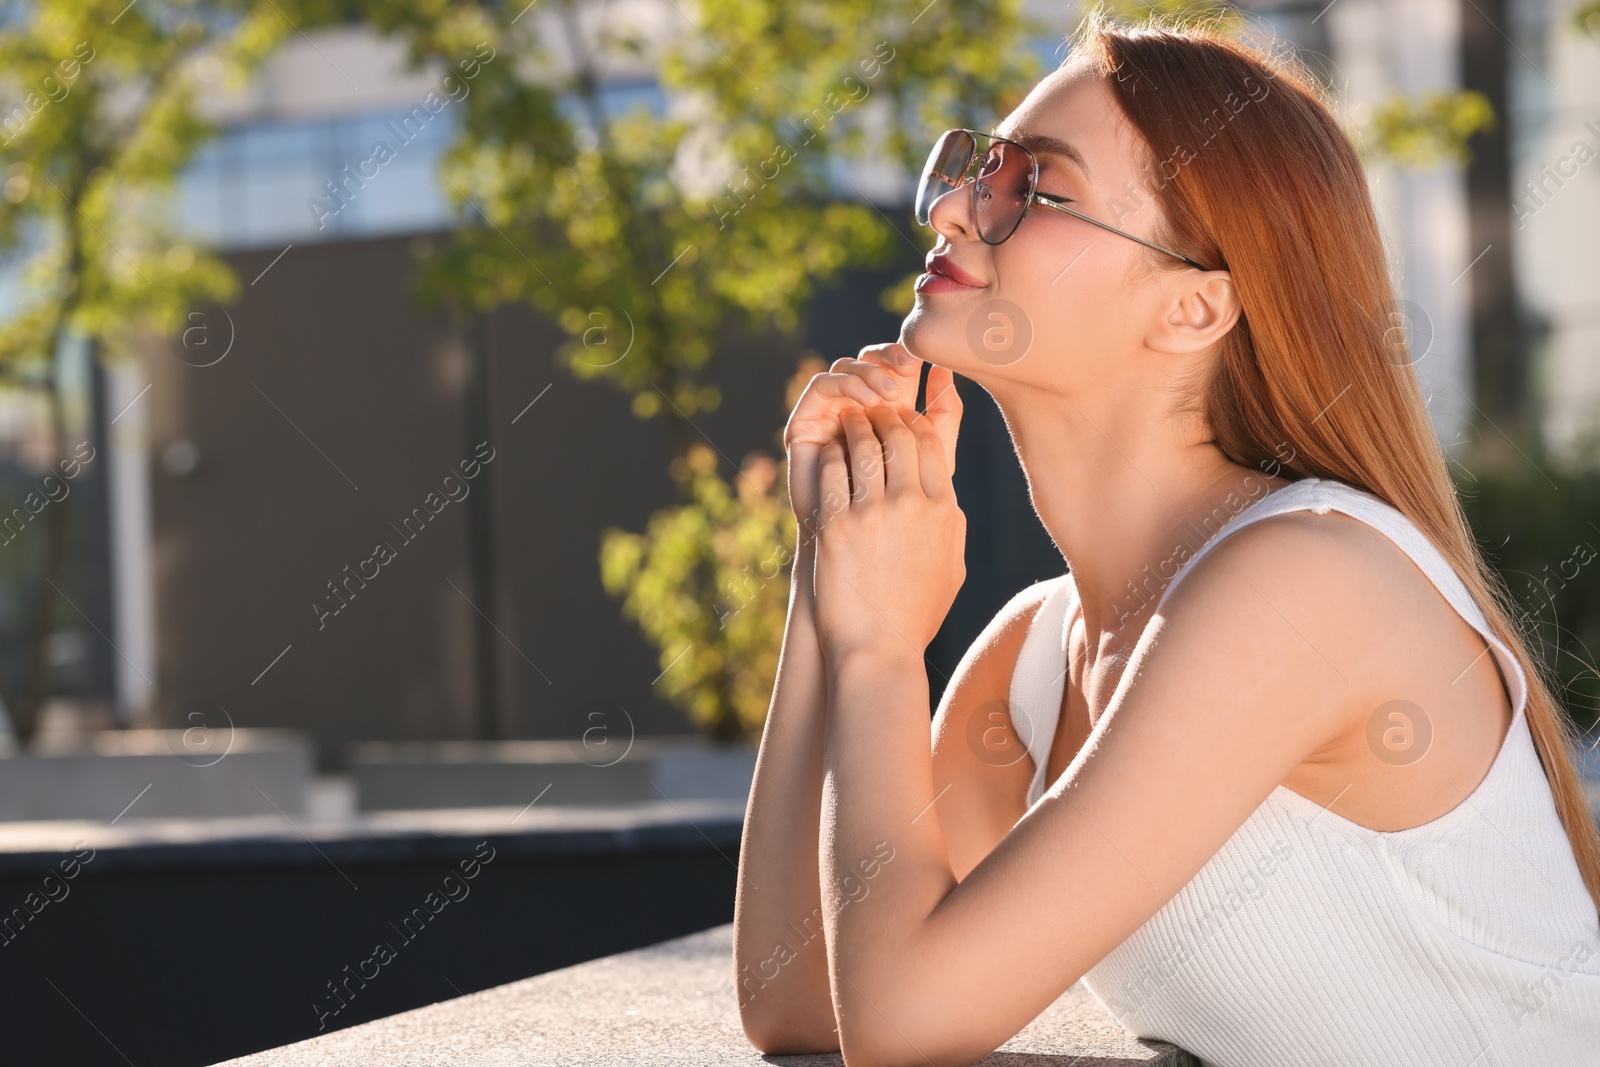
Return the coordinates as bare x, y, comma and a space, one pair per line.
1044, 144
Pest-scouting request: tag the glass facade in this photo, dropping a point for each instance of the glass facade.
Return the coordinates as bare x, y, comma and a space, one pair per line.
318, 179
270, 183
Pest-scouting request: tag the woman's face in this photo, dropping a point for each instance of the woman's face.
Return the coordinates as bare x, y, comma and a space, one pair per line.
1060, 299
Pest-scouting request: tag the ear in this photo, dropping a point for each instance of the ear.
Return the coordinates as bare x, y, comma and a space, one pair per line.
1201, 308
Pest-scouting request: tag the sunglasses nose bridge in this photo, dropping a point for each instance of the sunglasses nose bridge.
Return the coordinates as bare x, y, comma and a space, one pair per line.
953, 184
977, 156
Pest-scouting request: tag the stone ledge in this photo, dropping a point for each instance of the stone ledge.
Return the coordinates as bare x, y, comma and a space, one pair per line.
412, 775
668, 1005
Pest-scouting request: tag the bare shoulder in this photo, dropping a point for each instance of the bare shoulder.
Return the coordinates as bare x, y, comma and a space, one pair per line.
1318, 561
1348, 623
1395, 651
1290, 596
988, 662
1330, 577
1011, 622
980, 764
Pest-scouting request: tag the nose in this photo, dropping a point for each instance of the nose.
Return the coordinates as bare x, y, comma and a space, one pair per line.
951, 214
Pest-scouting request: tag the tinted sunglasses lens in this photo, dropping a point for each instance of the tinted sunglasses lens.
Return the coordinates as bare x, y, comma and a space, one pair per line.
1003, 185
946, 167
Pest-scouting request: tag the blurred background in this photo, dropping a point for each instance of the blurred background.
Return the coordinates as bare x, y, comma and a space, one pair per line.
390, 409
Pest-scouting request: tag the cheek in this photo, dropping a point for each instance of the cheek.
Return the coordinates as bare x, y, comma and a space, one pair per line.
1082, 297
1062, 255
1064, 279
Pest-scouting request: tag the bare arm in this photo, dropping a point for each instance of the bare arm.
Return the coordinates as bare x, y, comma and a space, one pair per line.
932, 969
780, 955
987, 780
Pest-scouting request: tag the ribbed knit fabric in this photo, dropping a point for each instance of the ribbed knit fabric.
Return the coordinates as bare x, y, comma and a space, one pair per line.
1311, 941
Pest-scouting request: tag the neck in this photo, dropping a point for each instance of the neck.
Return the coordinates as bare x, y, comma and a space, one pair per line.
1127, 494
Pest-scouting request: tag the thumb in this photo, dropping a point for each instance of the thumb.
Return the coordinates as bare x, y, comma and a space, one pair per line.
943, 407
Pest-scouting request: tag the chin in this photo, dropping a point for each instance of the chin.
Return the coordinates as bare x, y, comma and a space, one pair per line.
921, 333
978, 339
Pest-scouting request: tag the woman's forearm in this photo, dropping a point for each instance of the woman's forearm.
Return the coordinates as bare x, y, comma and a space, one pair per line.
880, 805
780, 957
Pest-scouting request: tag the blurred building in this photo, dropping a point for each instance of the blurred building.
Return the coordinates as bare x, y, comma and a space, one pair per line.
254, 463
1555, 211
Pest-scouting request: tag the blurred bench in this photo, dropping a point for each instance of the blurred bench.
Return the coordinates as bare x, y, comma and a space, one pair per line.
160, 774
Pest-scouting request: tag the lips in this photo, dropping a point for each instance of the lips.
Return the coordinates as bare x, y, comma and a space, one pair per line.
942, 264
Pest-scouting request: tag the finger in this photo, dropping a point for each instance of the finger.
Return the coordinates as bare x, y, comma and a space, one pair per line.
866, 456
833, 480
842, 385
900, 462
888, 379
932, 467
815, 417
896, 357
944, 408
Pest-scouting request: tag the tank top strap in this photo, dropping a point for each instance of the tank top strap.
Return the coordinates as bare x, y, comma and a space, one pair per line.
1321, 495
1039, 679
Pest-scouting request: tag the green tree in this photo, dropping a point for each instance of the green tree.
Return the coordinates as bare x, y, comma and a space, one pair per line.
1413, 131
103, 119
1539, 524
648, 236
1586, 18
645, 236
707, 583
1427, 129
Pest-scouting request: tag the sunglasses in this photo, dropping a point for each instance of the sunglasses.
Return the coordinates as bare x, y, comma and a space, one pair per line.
1003, 190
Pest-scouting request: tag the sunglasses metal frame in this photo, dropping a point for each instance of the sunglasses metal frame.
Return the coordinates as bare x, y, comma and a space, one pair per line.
1033, 194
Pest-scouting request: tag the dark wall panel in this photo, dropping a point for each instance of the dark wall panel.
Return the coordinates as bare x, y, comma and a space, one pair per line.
335, 413
342, 404
185, 967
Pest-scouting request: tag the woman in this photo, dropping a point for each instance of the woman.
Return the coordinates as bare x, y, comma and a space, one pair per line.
1270, 768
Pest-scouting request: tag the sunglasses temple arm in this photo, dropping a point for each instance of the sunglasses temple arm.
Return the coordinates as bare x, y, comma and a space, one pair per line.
1107, 226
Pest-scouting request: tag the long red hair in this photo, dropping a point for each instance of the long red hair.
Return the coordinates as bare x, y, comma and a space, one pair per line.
1251, 170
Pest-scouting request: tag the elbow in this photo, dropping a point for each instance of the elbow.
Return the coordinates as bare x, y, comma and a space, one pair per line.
858, 1050
893, 1049
780, 1031
781, 1038
903, 1050
873, 1033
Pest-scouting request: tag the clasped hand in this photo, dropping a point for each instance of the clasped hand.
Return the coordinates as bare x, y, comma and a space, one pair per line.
870, 478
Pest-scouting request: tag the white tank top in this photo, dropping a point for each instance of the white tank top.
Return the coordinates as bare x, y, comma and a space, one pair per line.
1311, 941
